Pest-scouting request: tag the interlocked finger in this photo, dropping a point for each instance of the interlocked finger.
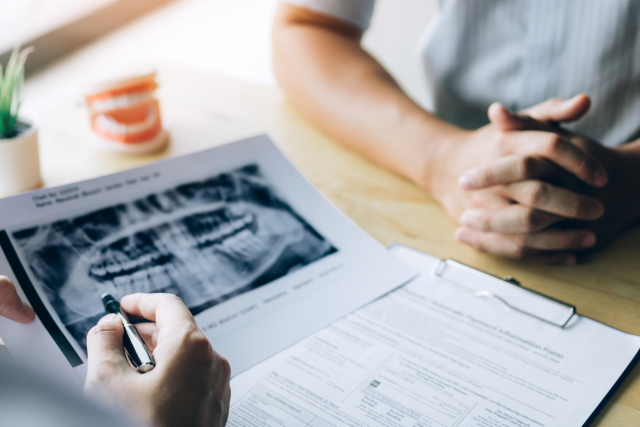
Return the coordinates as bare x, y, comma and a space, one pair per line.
507, 246
561, 151
508, 169
515, 218
560, 110
555, 240
554, 200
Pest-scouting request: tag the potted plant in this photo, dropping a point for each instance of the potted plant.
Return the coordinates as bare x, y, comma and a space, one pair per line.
19, 157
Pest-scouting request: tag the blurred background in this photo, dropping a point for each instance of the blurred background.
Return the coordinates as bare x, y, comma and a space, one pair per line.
77, 41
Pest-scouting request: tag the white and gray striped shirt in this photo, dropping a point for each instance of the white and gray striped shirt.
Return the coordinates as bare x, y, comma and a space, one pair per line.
522, 52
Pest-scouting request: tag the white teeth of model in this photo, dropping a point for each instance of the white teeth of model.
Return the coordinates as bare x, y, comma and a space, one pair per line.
123, 101
108, 124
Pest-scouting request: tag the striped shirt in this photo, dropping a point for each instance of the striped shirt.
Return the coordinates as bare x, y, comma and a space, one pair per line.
522, 52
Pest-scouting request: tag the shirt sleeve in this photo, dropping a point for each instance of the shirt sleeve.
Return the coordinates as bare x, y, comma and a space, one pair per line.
355, 12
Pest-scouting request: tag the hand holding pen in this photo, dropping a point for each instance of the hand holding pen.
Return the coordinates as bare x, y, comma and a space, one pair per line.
135, 348
190, 382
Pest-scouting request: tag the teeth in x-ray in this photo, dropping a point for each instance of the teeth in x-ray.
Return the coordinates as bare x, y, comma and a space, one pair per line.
243, 245
159, 278
109, 268
131, 262
113, 268
225, 231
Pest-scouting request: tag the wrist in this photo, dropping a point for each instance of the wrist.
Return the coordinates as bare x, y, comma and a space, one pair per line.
444, 141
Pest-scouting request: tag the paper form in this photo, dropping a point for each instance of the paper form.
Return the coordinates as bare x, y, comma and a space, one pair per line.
431, 355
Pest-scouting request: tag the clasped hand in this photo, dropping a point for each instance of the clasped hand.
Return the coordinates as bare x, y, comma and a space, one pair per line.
539, 192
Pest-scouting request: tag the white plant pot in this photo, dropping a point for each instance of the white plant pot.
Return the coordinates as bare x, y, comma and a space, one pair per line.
20, 162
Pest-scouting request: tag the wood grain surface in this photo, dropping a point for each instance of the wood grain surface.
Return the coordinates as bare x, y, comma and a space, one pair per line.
203, 110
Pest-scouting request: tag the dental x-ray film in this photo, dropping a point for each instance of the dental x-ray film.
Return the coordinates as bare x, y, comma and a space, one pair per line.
205, 241
258, 255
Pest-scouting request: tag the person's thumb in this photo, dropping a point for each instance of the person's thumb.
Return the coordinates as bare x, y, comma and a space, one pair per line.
507, 120
105, 352
11, 306
560, 110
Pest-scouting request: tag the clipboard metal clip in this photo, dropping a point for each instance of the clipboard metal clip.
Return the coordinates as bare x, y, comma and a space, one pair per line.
506, 290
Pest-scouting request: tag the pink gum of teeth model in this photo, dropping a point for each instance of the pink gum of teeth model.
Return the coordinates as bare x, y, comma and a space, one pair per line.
125, 115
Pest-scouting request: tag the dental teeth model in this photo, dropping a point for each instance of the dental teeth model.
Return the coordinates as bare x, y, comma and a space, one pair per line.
125, 115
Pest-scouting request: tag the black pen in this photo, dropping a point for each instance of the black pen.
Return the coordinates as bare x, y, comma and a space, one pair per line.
135, 347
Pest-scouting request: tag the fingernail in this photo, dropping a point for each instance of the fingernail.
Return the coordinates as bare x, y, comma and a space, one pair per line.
467, 181
596, 210
461, 235
570, 260
470, 217
108, 318
503, 107
600, 178
28, 311
588, 241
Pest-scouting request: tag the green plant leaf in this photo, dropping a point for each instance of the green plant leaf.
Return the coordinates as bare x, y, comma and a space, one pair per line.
11, 84
8, 75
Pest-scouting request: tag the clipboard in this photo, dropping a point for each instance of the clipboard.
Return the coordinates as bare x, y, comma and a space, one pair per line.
527, 302
507, 290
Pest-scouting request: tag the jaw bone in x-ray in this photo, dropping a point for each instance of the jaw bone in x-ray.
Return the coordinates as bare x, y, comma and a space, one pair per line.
204, 241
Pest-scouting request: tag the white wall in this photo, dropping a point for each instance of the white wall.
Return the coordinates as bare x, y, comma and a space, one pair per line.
231, 37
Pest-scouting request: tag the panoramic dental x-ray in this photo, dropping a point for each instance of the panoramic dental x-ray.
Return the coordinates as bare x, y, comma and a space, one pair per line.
204, 241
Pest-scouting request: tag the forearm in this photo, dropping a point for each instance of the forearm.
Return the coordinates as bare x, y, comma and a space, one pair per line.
350, 96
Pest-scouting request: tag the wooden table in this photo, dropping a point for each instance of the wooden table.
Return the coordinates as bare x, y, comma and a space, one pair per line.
204, 110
